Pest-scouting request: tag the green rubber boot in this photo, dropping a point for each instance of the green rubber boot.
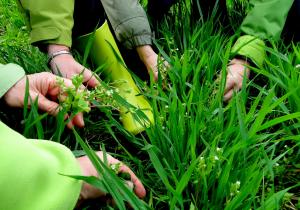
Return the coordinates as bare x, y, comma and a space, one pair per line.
103, 52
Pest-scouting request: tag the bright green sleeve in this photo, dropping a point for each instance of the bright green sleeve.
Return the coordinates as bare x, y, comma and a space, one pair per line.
250, 47
51, 21
265, 20
129, 22
10, 74
30, 174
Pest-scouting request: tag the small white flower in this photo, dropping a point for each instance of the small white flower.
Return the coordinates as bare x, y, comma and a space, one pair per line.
216, 157
109, 92
113, 167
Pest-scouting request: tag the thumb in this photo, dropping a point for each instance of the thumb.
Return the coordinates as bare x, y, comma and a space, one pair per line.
48, 106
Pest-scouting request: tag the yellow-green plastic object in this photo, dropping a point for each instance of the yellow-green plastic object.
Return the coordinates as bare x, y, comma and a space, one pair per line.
103, 52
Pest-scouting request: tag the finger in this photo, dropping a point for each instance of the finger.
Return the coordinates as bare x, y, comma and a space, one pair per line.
90, 78
138, 186
78, 120
154, 72
228, 95
69, 121
229, 85
70, 124
48, 106
53, 88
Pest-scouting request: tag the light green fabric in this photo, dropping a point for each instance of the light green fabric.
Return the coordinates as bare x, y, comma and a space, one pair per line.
10, 74
51, 21
29, 174
265, 21
250, 47
29, 169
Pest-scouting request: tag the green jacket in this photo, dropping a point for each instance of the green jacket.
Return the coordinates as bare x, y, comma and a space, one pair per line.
51, 21
265, 21
30, 169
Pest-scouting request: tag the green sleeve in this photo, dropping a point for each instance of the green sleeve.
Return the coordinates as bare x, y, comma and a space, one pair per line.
30, 174
129, 22
265, 20
51, 21
10, 74
250, 47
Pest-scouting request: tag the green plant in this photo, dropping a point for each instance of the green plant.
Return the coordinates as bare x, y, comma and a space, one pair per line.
77, 98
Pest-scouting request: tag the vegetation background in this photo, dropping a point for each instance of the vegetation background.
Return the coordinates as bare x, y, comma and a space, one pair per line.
201, 153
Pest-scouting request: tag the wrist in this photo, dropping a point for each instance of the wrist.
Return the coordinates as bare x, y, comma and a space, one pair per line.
144, 52
240, 61
52, 48
55, 51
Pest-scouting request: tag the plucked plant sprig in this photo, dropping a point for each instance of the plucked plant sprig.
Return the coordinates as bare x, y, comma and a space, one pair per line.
77, 98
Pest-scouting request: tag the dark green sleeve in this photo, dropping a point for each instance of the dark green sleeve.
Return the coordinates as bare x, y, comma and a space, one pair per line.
129, 22
265, 20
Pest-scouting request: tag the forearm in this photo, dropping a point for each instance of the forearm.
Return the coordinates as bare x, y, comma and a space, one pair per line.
144, 52
129, 22
266, 19
30, 173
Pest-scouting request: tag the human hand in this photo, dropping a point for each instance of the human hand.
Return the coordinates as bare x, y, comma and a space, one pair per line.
90, 192
151, 60
67, 66
44, 87
236, 71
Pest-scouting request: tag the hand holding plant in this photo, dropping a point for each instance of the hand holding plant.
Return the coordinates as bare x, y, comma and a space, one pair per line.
90, 192
236, 71
44, 87
78, 99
